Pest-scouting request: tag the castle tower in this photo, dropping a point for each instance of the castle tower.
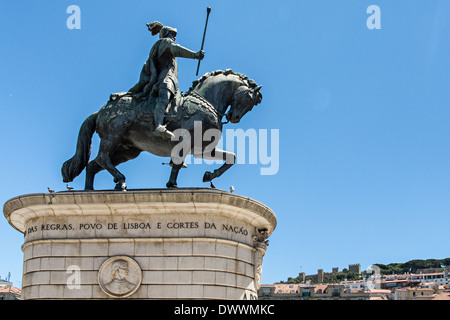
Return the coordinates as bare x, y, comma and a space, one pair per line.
354, 268
302, 277
320, 276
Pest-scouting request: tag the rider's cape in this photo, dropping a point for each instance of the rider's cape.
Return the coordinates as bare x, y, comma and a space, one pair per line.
168, 73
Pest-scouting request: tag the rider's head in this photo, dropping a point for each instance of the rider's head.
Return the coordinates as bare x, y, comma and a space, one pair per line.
168, 32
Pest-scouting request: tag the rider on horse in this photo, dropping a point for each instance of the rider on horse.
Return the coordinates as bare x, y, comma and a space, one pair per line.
159, 75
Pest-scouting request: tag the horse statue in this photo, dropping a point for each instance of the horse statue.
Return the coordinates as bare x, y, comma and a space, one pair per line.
125, 126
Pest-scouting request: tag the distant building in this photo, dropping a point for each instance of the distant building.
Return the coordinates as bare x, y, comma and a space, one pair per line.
8, 291
318, 292
440, 278
354, 285
417, 292
433, 285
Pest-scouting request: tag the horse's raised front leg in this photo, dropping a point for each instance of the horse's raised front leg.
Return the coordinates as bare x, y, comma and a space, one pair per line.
106, 149
218, 154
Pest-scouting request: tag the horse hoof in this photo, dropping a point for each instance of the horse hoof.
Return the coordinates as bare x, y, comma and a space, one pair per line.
171, 185
121, 186
207, 177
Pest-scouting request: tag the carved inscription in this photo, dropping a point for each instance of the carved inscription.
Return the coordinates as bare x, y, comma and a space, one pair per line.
150, 226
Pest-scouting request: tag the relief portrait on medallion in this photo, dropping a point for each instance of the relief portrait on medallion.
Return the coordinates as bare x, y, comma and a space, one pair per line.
120, 276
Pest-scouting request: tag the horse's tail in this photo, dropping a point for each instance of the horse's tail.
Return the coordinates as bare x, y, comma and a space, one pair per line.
75, 165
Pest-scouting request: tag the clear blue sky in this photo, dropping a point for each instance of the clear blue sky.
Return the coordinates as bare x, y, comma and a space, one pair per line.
363, 115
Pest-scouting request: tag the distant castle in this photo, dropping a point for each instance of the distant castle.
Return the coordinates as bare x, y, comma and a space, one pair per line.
321, 275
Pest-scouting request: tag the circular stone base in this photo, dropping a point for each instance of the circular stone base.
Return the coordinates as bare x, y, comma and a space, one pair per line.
141, 244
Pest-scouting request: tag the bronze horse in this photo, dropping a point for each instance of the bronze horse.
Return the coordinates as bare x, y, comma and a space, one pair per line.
126, 128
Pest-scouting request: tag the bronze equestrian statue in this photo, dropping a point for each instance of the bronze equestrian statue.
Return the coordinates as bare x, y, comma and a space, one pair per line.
129, 122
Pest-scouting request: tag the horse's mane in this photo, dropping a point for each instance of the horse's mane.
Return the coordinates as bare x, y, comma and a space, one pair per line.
249, 82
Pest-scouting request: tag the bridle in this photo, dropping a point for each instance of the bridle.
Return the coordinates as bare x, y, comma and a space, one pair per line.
210, 107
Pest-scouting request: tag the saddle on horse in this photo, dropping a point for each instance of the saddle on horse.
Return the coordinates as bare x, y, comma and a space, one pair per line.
181, 106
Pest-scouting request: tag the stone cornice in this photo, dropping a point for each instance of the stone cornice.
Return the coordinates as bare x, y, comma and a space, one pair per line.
20, 209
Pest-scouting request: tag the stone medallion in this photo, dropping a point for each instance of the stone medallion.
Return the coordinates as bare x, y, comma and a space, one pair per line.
119, 276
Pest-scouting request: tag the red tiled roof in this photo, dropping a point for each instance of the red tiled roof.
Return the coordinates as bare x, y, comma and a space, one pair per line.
378, 298
11, 289
285, 287
318, 287
380, 291
442, 296
415, 289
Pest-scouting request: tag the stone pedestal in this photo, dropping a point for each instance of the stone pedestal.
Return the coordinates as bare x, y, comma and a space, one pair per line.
191, 243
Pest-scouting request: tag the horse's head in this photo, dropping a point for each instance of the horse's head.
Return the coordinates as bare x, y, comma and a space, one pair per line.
244, 99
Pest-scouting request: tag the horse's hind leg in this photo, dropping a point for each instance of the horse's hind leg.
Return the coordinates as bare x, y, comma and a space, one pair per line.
106, 149
218, 154
91, 170
121, 155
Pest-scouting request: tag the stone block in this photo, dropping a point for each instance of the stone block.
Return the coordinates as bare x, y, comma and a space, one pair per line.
226, 249
32, 265
152, 277
121, 248
93, 247
66, 249
177, 277
163, 263
43, 249
84, 292
27, 252
169, 291
31, 292
204, 247
191, 263
204, 277
177, 247
152, 247
190, 292
51, 292
84, 263
225, 279
217, 263
214, 292
40, 277
244, 253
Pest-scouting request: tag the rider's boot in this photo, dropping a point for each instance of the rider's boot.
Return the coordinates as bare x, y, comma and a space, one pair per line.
161, 129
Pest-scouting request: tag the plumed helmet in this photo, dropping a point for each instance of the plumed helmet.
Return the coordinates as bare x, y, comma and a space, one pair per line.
154, 27
157, 27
